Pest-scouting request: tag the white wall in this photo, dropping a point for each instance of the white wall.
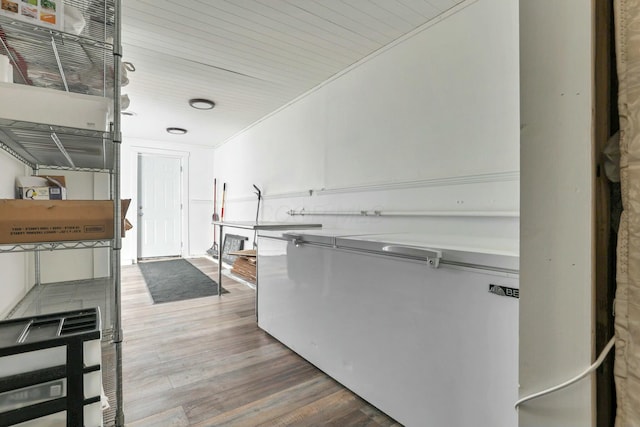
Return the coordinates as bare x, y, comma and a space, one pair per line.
13, 279
430, 124
556, 255
197, 189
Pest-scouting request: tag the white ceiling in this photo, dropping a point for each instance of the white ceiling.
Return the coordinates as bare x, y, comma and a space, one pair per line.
249, 56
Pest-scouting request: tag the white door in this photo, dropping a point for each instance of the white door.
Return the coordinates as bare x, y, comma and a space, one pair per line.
159, 206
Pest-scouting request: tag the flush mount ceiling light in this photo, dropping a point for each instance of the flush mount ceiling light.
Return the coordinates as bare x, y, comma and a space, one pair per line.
176, 131
201, 104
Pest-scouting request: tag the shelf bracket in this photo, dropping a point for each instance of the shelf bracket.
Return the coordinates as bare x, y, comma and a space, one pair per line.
64, 152
15, 154
60, 69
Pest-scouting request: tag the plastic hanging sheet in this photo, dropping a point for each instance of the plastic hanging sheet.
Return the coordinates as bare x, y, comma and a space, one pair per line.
627, 305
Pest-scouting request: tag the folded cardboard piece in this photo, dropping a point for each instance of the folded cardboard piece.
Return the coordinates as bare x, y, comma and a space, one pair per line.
245, 265
31, 221
245, 253
41, 187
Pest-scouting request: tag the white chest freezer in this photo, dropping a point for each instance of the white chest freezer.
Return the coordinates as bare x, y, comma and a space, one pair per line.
425, 328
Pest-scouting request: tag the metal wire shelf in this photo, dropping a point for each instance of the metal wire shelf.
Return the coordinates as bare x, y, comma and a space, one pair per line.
53, 246
45, 57
76, 169
43, 145
36, 32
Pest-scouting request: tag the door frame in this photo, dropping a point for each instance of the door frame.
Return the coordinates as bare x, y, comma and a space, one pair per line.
183, 156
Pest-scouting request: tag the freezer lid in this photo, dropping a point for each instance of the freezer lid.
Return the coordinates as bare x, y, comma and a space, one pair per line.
319, 236
314, 236
490, 253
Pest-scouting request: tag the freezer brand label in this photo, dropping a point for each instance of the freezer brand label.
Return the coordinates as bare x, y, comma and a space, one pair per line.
504, 291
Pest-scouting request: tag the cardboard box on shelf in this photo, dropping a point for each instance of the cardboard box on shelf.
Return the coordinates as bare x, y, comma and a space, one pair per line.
41, 187
31, 221
126, 225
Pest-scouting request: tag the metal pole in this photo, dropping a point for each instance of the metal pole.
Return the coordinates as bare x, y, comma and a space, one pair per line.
36, 261
117, 141
257, 285
220, 262
54, 47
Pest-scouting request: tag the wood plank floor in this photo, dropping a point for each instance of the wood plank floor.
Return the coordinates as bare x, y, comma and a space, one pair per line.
205, 362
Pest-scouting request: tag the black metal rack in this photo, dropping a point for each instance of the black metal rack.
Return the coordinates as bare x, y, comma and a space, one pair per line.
26, 335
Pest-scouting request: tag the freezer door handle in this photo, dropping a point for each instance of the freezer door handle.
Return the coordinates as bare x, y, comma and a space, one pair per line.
296, 239
431, 255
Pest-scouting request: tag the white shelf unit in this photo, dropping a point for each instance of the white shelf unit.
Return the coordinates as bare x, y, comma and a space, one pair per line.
87, 63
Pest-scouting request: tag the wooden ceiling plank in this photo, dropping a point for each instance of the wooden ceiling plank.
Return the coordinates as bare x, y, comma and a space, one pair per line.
378, 13
238, 16
174, 38
443, 5
304, 25
277, 25
337, 15
171, 68
422, 7
398, 8
268, 71
219, 24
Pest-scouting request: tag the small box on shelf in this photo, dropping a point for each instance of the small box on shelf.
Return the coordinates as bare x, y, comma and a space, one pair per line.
41, 187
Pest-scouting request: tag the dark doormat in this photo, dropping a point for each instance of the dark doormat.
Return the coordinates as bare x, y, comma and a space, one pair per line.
176, 280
